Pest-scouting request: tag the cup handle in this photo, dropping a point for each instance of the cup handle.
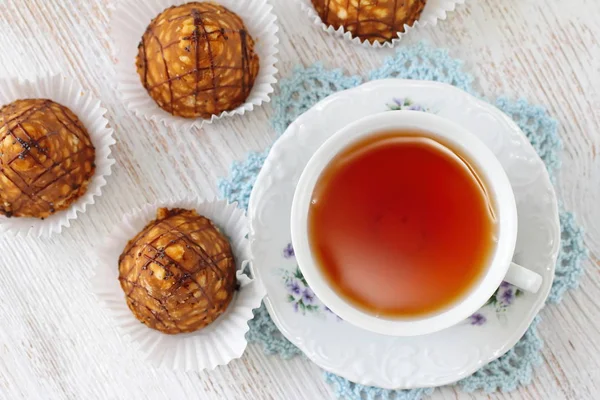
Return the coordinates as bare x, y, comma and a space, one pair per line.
523, 278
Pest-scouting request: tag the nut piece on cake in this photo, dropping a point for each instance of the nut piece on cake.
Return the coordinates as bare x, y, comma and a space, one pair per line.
47, 158
178, 273
371, 20
197, 60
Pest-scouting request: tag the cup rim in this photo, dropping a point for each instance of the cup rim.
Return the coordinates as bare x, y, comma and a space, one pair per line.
487, 165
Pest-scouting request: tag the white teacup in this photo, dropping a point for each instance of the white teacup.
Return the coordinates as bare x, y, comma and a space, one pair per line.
500, 266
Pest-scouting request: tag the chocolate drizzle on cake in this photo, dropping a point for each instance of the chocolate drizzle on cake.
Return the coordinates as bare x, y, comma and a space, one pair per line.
178, 274
206, 55
46, 158
370, 20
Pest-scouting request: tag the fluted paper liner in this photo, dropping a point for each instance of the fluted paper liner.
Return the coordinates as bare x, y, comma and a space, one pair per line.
218, 343
129, 22
434, 10
91, 113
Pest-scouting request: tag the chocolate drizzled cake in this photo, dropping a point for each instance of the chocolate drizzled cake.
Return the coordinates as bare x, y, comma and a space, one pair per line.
178, 273
197, 60
371, 20
46, 158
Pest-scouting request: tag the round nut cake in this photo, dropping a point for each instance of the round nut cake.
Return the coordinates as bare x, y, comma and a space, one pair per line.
46, 158
178, 273
371, 20
197, 60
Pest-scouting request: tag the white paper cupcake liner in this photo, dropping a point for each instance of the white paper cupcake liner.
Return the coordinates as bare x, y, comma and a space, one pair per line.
90, 112
218, 343
129, 22
434, 10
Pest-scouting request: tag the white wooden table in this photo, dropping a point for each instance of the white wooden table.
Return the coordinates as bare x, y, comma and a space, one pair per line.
55, 343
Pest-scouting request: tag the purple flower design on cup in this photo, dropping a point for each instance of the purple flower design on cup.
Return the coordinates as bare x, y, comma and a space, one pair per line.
504, 297
506, 294
288, 251
293, 287
308, 297
477, 319
299, 294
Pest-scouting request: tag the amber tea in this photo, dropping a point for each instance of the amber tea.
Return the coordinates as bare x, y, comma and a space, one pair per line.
401, 225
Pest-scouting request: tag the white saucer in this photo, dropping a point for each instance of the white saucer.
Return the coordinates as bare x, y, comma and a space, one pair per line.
369, 358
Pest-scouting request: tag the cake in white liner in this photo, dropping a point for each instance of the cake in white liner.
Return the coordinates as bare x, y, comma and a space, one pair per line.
434, 10
129, 22
90, 112
221, 341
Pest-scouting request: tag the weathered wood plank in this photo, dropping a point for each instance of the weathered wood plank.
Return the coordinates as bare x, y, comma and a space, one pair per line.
54, 341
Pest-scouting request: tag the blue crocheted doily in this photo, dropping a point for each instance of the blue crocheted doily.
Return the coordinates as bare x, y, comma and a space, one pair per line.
306, 87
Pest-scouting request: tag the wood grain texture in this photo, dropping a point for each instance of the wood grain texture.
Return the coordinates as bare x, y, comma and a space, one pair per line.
55, 343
